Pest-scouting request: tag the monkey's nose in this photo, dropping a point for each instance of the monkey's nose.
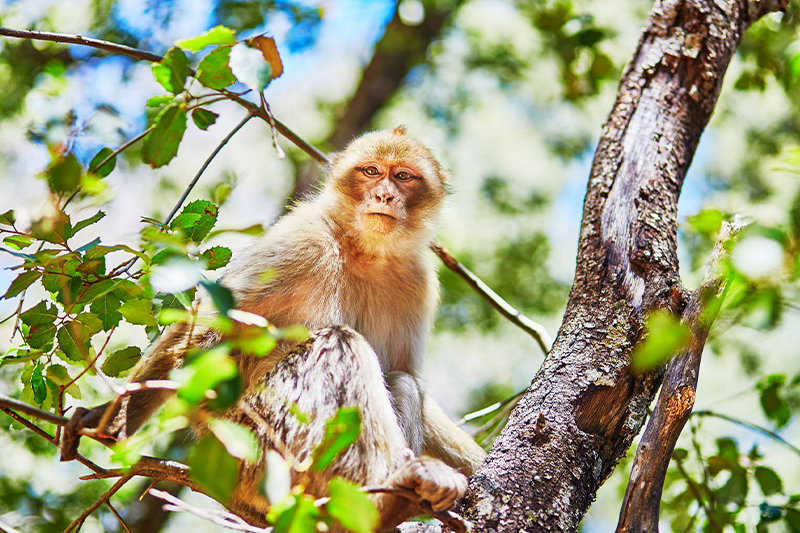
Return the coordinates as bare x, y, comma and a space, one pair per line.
384, 197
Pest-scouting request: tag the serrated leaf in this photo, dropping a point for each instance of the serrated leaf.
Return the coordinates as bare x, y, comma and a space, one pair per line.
41, 337
162, 142
196, 219
21, 282
203, 118
18, 242
38, 315
238, 440
351, 507
107, 167
73, 339
213, 468
58, 374
38, 385
106, 308
171, 73
250, 67
87, 222
138, 311
216, 35
341, 431
64, 175
121, 361
214, 71
216, 257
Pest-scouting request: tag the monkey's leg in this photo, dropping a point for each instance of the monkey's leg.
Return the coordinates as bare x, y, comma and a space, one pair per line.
448, 442
338, 369
407, 403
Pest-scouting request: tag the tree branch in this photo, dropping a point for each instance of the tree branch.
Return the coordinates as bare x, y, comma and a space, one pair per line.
220, 518
78, 522
85, 41
640, 507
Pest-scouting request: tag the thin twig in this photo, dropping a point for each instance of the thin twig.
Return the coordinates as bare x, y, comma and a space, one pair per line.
78, 522
121, 521
749, 425
85, 41
86, 369
205, 166
533, 329
220, 518
10, 403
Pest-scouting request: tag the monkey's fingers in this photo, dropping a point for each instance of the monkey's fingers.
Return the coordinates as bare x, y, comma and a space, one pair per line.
81, 420
432, 481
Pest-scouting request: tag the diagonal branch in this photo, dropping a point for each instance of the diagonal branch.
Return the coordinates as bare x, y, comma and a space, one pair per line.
640, 507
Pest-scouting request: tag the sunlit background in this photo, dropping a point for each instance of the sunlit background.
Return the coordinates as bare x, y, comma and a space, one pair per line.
511, 96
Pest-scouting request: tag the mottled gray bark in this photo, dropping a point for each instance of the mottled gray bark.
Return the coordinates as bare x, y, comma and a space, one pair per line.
584, 406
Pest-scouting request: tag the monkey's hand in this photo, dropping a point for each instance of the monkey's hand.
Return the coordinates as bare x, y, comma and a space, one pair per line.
430, 480
84, 419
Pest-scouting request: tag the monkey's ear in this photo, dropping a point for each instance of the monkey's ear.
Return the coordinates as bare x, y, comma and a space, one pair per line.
399, 130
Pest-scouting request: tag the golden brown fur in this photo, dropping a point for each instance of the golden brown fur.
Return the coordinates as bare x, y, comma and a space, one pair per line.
355, 255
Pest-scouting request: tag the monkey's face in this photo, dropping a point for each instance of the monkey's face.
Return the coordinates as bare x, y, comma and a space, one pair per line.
388, 185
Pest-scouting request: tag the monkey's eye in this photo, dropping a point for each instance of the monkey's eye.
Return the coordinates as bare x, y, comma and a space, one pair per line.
403, 175
370, 171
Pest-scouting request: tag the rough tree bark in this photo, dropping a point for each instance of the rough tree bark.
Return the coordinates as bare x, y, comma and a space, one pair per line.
584, 407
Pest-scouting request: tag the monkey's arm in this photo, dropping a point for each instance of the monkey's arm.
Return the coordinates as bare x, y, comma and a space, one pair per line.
124, 416
448, 442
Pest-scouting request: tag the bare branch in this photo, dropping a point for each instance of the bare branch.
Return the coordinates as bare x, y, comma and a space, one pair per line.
452, 520
85, 41
78, 522
532, 328
640, 507
7, 402
220, 518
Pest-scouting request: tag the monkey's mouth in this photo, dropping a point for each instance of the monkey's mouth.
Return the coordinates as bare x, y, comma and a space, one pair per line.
383, 215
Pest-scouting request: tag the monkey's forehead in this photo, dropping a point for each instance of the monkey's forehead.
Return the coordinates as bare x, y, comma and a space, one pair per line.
391, 148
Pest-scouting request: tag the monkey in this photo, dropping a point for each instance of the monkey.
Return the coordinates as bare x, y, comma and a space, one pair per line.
352, 264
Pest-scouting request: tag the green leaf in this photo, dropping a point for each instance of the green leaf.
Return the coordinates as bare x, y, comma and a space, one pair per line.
87, 222
238, 440
250, 67
203, 118
106, 308
39, 314
351, 507
792, 518
213, 71
89, 245
221, 296
37, 382
41, 337
107, 167
341, 431
7, 218
208, 369
772, 400
121, 361
58, 374
768, 480
171, 73
74, 337
21, 282
213, 468
666, 336
64, 175
18, 242
158, 101
138, 311
161, 143
216, 257
216, 35
196, 219
707, 222
297, 515
769, 513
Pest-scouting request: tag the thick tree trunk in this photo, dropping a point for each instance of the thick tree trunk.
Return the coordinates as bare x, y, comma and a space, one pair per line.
584, 407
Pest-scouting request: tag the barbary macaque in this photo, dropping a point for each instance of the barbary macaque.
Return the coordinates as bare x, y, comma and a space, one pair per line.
352, 263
